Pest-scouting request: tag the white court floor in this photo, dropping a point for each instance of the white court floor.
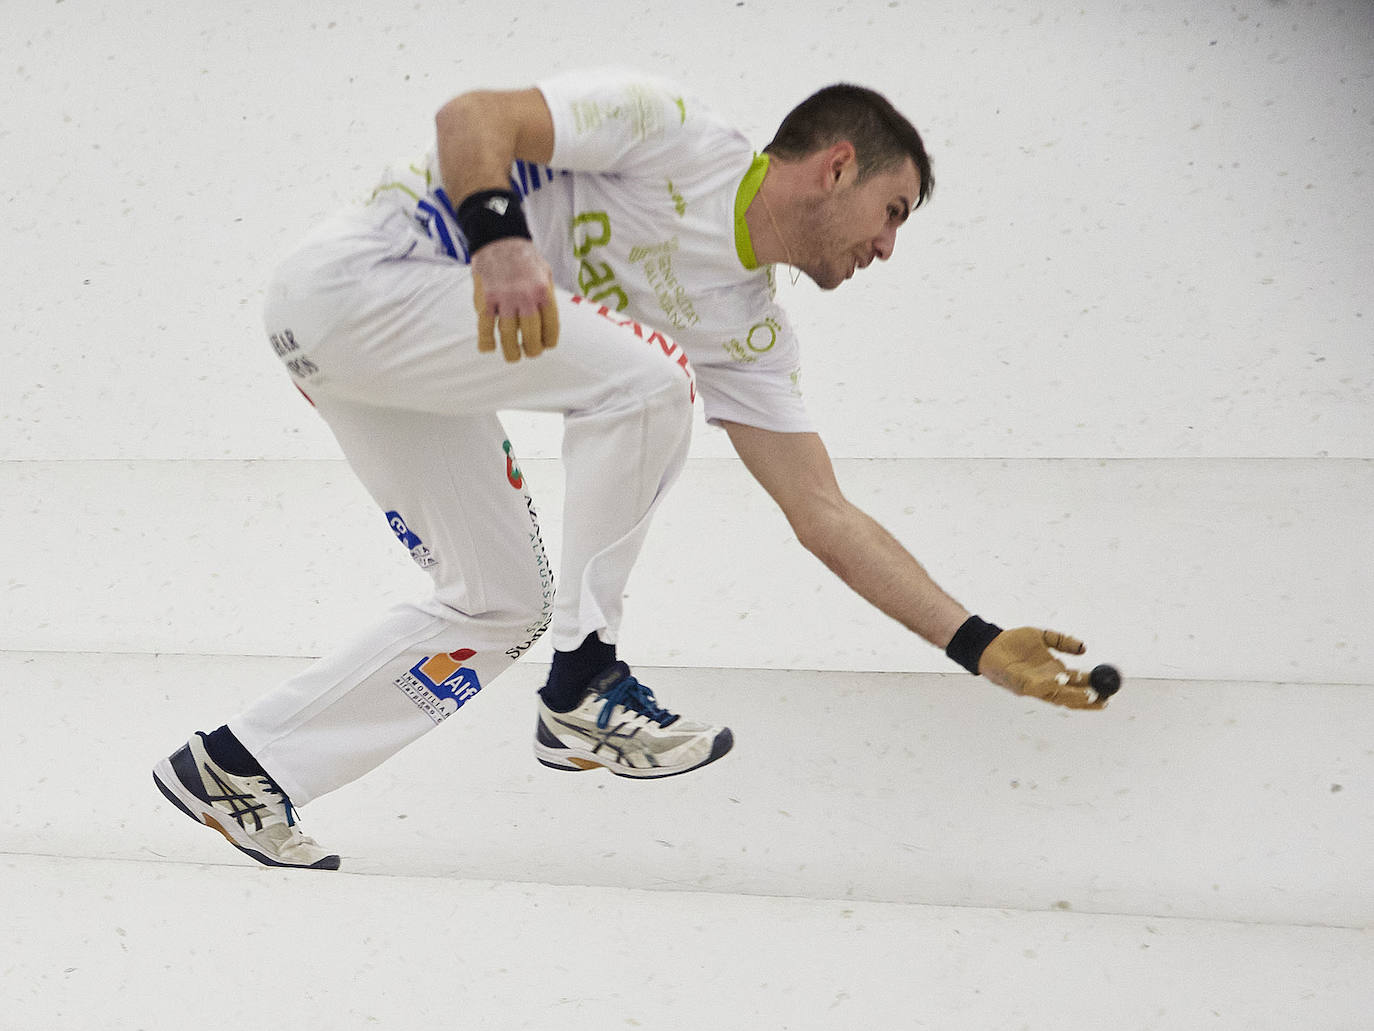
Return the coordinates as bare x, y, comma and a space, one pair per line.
1118, 378
136, 946
1071, 878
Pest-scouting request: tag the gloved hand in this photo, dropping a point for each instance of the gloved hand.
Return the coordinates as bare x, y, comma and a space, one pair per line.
1020, 660
512, 290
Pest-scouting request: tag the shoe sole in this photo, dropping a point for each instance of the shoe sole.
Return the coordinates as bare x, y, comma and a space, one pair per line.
558, 756
170, 783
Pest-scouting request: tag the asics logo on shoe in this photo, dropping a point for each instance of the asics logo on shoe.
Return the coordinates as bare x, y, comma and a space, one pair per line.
241, 804
606, 738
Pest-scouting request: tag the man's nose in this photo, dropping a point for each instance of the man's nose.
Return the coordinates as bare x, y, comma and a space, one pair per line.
886, 243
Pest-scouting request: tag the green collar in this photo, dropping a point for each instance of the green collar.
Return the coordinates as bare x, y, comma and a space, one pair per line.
748, 190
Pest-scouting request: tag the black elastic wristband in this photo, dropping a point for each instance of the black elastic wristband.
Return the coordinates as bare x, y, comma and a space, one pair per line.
489, 215
967, 645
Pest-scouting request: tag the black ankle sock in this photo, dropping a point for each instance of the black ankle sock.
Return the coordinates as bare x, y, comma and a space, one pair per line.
223, 747
571, 672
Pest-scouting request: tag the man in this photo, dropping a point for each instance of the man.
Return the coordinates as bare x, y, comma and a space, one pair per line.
617, 239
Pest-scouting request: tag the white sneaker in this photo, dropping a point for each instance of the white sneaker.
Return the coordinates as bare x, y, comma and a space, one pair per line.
252, 813
621, 727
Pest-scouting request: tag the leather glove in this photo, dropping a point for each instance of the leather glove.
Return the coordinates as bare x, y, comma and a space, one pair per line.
523, 310
1020, 660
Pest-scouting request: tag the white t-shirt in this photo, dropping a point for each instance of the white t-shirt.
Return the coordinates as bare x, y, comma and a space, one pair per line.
641, 211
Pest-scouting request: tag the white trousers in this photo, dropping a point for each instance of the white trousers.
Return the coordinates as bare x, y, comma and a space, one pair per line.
377, 328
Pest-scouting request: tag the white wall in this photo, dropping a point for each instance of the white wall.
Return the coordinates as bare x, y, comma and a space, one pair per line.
1151, 234
1151, 239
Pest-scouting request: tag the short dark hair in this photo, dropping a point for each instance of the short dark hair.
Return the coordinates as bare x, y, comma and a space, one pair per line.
881, 135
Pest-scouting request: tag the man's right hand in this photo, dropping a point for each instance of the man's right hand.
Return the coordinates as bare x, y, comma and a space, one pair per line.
514, 297
1021, 661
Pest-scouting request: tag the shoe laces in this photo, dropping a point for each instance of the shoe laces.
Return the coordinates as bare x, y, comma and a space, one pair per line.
271, 787
630, 694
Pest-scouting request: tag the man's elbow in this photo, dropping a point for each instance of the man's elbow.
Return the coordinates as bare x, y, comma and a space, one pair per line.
821, 528
458, 114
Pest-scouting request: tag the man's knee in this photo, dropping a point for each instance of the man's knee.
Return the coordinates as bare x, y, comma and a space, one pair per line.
518, 623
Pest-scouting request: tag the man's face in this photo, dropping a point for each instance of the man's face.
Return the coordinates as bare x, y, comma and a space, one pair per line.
858, 222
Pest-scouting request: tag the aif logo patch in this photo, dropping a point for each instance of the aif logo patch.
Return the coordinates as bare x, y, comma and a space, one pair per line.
441, 684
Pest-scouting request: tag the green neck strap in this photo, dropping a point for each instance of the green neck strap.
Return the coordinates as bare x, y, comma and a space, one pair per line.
748, 190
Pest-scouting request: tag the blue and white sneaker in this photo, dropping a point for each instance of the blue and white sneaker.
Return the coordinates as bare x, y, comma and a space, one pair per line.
619, 726
252, 813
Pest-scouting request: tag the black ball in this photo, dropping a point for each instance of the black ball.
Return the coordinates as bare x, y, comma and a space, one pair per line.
1105, 680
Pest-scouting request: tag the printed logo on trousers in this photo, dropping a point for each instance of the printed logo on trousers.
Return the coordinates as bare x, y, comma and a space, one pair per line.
513, 473
419, 551
440, 684
289, 351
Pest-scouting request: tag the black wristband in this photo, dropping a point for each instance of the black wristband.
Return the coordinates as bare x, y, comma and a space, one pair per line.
969, 641
489, 215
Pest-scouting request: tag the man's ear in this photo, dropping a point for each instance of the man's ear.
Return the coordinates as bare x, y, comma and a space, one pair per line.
841, 163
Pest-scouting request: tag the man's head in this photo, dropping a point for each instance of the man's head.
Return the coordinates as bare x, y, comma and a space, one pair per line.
850, 170
882, 138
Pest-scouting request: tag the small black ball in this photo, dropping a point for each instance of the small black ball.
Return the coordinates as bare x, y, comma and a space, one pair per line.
1105, 680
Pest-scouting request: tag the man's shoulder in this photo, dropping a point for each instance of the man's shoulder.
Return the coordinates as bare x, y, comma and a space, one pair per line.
646, 103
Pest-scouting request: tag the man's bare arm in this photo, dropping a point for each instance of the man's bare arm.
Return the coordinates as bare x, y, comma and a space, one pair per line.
479, 136
795, 469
